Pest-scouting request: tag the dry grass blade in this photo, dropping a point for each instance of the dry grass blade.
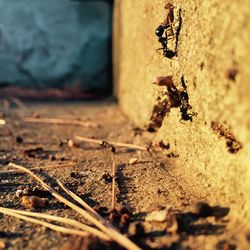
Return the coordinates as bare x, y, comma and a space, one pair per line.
50, 167
86, 124
117, 144
92, 211
44, 223
81, 202
63, 220
110, 231
113, 187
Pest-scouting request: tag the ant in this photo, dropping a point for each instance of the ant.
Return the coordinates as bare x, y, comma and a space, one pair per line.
167, 22
164, 42
167, 27
185, 106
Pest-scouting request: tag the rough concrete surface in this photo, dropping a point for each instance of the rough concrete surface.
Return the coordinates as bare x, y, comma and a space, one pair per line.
147, 188
212, 146
52, 43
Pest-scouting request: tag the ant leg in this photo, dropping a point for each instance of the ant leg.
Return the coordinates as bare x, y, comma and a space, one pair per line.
158, 50
171, 37
171, 29
169, 33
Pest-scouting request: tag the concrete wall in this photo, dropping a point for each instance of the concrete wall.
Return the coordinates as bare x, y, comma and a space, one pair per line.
52, 42
212, 150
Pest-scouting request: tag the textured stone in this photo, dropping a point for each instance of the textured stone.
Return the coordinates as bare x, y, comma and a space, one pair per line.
53, 42
211, 141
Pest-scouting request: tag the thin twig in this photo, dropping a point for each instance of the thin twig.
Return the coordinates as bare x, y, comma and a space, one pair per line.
44, 223
51, 167
85, 205
81, 202
113, 186
111, 143
63, 220
86, 124
110, 231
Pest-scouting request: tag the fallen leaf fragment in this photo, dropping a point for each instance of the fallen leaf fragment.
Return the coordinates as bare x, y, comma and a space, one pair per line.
32, 202
164, 81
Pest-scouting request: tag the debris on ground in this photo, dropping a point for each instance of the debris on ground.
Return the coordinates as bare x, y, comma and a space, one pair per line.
152, 206
106, 177
157, 216
19, 139
33, 202
120, 216
133, 161
71, 144
35, 191
38, 152
223, 245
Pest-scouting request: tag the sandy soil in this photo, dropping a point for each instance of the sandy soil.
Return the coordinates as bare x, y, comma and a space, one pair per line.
150, 185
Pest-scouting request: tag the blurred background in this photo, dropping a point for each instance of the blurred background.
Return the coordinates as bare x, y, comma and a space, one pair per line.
55, 48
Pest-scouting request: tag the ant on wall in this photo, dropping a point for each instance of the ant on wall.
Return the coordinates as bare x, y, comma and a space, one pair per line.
164, 42
166, 28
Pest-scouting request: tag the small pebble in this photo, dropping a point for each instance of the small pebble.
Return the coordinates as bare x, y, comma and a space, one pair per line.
34, 202
19, 193
157, 216
70, 143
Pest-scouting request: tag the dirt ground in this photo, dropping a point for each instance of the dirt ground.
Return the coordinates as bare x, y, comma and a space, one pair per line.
146, 187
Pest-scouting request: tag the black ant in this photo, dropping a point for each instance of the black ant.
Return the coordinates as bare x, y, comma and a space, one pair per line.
185, 106
167, 24
164, 42
167, 27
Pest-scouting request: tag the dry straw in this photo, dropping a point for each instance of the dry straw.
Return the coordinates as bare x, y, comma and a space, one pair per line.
111, 143
59, 121
63, 220
44, 223
90, 216
48, 167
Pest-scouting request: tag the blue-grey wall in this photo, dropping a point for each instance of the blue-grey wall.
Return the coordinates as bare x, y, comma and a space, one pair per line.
49, 43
